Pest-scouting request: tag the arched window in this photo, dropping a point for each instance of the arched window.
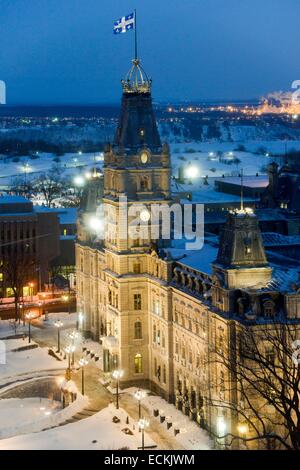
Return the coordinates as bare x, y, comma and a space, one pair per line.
144, 183
138, 330
138, 364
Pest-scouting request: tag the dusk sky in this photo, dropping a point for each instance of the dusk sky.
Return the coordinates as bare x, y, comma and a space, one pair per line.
64, 51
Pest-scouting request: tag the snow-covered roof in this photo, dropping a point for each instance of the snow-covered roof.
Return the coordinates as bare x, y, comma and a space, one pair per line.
13, 200
67, 216
275, 239
260, 181
200, 259
205, 193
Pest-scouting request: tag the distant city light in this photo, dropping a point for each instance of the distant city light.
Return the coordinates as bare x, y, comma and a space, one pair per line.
295, 116
88, 175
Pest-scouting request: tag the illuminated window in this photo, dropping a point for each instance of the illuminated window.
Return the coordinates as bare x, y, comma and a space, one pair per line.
137, 268
1, 277
154, 333
138, 330
138, 364
137, 302
65, 232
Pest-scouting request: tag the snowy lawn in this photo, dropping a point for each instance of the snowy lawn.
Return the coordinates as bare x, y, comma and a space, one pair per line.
190, 437
68, 320
25, 362
28, 415
16, 412
94, 433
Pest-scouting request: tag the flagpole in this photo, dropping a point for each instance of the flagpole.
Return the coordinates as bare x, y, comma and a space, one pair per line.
135, 36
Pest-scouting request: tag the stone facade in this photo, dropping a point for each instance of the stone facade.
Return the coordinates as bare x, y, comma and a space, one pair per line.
159, 320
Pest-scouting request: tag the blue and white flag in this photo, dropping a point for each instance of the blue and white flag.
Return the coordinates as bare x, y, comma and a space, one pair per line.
124, 24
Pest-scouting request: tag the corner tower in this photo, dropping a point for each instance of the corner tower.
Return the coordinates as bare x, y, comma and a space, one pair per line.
136, 178
136, 165
241, 261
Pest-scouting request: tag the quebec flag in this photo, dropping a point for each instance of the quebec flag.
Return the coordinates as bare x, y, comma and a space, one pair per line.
124, 24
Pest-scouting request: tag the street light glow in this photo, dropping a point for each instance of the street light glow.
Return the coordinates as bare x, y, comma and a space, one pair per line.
139, 395
58, 324
95, 224
83, 362
143, 423
221, 426
192, 171
117, 374
79, 180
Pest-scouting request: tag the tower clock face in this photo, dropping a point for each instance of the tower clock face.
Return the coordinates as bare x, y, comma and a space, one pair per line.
144, 158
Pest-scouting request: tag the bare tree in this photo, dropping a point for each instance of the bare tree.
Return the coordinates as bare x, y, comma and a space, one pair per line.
50, 184
18, 267
262, 385
22, 186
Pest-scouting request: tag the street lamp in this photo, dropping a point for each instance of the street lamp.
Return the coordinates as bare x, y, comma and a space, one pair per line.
80, 320
143, 424
139, 395
70, 350
66, 298
29, 316
73, 336
58, 324
82, 363
117, 375
31, 285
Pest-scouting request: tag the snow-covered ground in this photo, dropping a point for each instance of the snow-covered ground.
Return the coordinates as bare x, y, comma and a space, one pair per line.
190, 436
202, 154
28, 415
71, 165
94, 433
68, 319
20, 362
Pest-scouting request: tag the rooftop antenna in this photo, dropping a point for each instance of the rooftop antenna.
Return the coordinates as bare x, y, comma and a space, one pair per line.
242, 189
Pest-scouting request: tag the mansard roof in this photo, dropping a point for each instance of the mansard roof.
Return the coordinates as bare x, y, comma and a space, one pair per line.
241, 242
137, 126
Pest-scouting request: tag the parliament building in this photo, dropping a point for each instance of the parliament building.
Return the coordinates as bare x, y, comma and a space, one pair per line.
165, 315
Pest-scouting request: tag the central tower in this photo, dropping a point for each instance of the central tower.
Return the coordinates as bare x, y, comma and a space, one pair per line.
136, 177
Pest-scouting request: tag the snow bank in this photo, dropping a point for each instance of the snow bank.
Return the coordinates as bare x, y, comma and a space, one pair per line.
94, 433
30, 415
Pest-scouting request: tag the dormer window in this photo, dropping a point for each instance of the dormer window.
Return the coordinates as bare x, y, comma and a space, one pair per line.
269, 308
